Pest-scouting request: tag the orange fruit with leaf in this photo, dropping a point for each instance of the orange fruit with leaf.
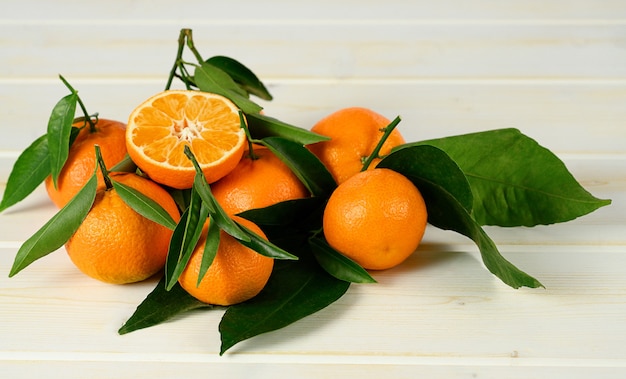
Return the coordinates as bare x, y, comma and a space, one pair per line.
377, 218
236, 274
110, 135
115, 244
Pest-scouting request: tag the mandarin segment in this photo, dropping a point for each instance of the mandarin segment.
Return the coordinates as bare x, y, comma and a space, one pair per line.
171, 107
161, 127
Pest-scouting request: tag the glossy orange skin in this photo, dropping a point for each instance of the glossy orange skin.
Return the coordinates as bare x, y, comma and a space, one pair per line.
115, 244
377, 218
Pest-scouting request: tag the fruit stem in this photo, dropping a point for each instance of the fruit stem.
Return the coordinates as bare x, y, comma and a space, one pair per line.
103, 169
375, 153
185, 38
87, 117
191, 45
177, 61
244, 126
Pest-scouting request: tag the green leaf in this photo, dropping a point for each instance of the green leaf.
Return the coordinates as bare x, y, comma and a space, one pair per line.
262, 126
175, 249
337, 264
304, 164
263, 246
144, 205
58, 230
160, 306
449, 213
125, 165
285, 213
215, 210
288, 224
203, 189
515, 181
30, 169
209, 78
59, 131
181, 197
211, 244
294, 291
184, 239
242, 75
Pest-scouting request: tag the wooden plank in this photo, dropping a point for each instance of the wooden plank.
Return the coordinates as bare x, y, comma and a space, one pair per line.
270, 370
446, 310
337, 50
287, 11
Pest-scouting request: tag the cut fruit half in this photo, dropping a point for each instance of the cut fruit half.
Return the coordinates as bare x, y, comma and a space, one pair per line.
159, 129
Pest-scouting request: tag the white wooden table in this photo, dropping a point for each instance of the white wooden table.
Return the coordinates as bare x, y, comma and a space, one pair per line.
554, 69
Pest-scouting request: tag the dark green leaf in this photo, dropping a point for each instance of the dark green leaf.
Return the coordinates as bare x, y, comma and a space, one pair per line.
181, 197
211, 244
58, 229
161, 305
304, 164
242, 75
30, 169
284, 213
144, 205
59, 131
262, 126
184, 239
515, 181
337, 264
447, 212
175, 249
209, 78
289, 224
263, 246
125, 165
294, 291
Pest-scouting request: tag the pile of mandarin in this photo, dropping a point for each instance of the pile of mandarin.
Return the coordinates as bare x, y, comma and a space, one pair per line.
376, 217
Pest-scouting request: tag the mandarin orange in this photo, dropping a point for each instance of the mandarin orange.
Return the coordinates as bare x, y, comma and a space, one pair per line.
354, 134
257, 183
115, 244
236, 274
377, 218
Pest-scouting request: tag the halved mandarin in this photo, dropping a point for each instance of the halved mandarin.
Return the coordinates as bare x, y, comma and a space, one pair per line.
159, 129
